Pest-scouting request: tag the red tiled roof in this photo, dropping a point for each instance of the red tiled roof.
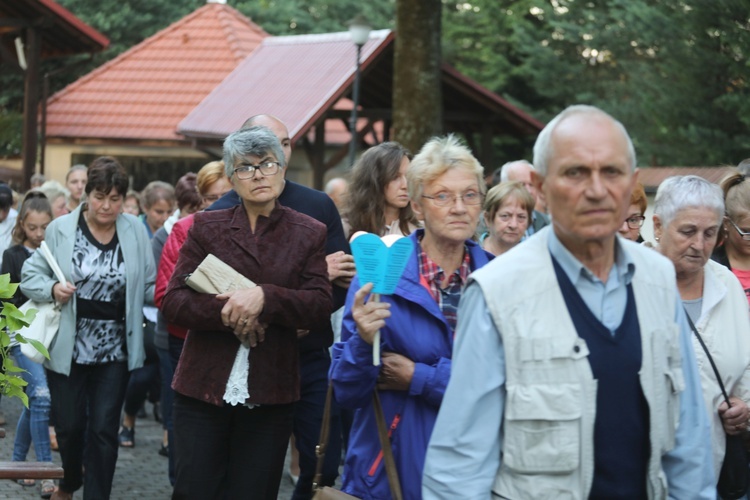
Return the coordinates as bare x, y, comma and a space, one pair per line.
323, 69
145, 92
651, 177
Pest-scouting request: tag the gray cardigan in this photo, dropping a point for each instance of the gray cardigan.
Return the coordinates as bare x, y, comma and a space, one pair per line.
37, 281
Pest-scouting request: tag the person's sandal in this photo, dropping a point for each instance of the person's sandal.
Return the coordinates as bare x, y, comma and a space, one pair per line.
47, 488
26, 482
126, 437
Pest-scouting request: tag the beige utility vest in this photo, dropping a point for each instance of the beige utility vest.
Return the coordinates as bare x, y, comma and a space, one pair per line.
550, 408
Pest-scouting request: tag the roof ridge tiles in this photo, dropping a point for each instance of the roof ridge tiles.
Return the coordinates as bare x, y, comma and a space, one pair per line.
341, 36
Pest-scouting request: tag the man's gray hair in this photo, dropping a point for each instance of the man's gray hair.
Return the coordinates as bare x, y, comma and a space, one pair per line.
543, 145
254, 141
687, 191
509, 167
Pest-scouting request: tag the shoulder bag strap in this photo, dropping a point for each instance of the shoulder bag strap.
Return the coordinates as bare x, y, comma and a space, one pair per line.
385, 443
710, 359
320, 450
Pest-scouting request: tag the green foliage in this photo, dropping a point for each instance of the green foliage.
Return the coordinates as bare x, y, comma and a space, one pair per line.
11, 126
12, 320
673, 71
296, 17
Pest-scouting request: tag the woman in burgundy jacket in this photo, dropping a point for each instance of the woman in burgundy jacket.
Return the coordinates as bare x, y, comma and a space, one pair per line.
228, 446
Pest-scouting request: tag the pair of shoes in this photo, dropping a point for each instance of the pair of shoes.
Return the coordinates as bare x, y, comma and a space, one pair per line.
293, 478
157, 412
61, 495
126, 437
26, 482
47, 488
164, 450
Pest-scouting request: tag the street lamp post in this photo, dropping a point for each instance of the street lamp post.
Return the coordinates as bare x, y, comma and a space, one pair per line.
359, 29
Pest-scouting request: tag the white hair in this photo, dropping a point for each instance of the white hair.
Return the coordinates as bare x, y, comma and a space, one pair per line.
512, 166
543, 145
687, 191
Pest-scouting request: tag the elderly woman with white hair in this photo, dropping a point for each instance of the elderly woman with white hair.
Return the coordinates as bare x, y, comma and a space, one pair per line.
687, 219
417, 324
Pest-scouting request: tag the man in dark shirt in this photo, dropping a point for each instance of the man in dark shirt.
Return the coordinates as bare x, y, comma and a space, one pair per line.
314, 356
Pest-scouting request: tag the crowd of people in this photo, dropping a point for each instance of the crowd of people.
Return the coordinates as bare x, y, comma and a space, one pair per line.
535, 345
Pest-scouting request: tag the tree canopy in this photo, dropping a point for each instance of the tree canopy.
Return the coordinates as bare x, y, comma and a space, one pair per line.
675, 72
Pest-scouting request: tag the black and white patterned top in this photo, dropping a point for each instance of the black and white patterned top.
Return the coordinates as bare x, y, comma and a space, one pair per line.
99, 276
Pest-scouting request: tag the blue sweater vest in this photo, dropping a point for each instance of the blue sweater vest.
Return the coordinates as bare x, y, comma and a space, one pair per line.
621, 430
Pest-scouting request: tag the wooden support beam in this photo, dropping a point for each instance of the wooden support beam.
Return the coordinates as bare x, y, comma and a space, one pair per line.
31, 105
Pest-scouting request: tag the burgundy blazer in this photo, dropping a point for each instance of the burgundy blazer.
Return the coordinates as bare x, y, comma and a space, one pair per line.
286, 258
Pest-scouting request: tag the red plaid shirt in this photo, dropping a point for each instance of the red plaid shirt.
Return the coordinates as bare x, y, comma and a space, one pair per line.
447, 298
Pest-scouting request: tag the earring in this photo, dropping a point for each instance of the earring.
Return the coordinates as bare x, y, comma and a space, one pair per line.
656, 238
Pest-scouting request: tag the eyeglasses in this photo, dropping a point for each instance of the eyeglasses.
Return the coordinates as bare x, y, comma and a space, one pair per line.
248, 171
635, 222
745, 236
445, 199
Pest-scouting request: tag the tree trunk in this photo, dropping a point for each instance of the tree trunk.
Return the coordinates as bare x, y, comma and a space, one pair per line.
417, 95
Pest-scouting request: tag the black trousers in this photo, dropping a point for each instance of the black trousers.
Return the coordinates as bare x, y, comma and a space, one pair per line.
229, 451
87, 407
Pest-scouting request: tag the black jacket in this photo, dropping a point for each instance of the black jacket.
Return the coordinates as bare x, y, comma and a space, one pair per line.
13, 259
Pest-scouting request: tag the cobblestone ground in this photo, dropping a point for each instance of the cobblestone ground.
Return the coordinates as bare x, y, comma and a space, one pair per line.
141, 472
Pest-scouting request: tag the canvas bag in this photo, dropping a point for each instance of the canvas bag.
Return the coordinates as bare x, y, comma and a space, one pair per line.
47, 321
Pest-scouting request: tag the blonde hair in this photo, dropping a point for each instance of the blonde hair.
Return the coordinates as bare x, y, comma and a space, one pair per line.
208, 175
439, 155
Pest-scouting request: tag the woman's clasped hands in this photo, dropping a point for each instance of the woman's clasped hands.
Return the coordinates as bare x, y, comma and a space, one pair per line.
241, 313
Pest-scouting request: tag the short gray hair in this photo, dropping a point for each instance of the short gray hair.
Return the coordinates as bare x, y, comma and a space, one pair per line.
253, 141
687, 191
507, 168
543, 145
439, 155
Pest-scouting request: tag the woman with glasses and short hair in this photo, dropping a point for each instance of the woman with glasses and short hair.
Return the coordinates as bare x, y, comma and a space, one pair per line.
417, 324
631, 226
735, 230
231, 435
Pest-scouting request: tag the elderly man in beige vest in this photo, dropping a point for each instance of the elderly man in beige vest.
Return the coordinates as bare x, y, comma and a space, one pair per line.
573, 374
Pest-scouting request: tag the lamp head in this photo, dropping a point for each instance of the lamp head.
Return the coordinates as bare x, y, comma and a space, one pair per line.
359, 29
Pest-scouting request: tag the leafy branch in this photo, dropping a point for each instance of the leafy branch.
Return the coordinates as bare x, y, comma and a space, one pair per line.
11, 321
